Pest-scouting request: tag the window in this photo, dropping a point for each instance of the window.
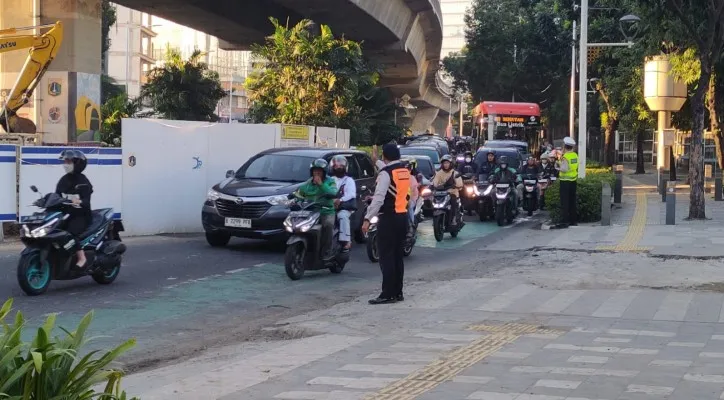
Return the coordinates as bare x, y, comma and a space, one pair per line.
367, 170
276, 167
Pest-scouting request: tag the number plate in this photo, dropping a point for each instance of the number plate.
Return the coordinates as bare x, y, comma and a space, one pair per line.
300, 214
238, 222
530, 182
502, 186
440, 193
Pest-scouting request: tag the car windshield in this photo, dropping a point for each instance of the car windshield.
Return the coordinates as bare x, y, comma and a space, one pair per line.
513, 156
425, 168
421, 151
498, 144
276, 167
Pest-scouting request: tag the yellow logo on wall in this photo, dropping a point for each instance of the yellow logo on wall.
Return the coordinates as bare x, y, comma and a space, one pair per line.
87, 115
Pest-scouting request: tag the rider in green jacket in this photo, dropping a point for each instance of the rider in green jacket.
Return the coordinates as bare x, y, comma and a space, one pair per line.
321, 189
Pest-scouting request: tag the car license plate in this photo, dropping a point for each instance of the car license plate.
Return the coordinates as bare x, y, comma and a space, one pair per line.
238, 223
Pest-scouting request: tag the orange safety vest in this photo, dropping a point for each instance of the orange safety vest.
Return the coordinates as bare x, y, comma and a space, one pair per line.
398, 194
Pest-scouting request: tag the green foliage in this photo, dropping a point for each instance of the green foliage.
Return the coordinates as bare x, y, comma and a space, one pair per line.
110, 89
108, 19
52, 367
588, 194
517, 49
113, 111
313, 78
184, 90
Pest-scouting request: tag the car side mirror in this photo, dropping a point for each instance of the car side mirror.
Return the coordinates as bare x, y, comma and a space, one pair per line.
34, 188
230, 173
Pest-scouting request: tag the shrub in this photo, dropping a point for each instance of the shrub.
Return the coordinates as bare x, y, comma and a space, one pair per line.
588, 200
54, 368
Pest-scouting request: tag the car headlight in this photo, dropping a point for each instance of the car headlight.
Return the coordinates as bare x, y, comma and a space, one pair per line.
276, 200
212, 195
45, 229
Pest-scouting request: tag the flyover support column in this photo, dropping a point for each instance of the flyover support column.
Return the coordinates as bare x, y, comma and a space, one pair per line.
424, 118
69, 95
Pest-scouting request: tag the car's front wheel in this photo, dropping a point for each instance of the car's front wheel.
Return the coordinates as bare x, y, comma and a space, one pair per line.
217, 239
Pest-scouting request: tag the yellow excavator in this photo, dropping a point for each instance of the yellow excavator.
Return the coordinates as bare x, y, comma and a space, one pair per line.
42, 51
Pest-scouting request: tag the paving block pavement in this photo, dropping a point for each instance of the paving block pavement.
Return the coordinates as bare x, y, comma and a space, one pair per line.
486, 339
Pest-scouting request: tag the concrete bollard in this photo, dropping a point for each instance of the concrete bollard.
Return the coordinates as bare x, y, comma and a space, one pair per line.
671, 203
618, 189
718, 195
606, 204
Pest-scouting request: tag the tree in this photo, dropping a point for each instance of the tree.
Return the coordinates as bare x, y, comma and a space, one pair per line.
110, 89
108, 19
113, 111
184, 90
309, 77
698, 25
517, 50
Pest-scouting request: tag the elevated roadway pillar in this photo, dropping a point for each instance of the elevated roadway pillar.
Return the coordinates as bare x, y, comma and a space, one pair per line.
66, 104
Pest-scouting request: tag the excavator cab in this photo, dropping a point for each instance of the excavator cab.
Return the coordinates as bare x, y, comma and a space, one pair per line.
42, 50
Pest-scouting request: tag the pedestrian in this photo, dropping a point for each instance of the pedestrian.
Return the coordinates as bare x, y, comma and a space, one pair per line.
389, 204
568, 176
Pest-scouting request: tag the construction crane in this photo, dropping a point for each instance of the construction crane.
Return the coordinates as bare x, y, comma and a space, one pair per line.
42, 51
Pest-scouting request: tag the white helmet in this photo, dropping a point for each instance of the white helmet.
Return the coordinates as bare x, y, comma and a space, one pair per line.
569, 141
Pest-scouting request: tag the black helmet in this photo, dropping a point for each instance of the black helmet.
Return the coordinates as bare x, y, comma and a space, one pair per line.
319, 163
503, 160
77, 157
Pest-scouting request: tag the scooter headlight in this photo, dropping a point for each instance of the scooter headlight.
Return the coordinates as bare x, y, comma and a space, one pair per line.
426, 192
374, 220
45, 229
469, 190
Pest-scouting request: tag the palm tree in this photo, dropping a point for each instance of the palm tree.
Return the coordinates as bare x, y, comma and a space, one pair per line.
184, 90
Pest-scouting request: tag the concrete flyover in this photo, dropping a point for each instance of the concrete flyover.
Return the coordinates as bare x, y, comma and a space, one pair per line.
403, 36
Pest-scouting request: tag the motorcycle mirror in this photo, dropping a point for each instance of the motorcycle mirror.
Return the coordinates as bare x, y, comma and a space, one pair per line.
230, 173
34, 189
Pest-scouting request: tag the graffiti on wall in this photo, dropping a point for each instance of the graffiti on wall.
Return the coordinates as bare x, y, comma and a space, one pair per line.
87, 108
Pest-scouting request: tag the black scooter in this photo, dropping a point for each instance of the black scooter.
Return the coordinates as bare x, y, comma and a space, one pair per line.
505, 207
530, 194
47, 254
485, 198
304, 247
442, 217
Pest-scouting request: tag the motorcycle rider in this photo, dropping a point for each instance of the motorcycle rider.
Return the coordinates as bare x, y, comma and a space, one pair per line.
489, 166
447, 176
76, 187
468, 160
506, 174
548, 164
532, 169
414, 194
322, 189
346, 201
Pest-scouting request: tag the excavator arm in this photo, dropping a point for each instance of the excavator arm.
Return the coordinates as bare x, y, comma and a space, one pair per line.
42, 51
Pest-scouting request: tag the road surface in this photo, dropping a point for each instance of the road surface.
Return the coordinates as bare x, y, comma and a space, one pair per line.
176, 295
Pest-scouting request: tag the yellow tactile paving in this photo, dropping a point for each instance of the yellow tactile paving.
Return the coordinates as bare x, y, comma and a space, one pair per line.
437, 372
635, 231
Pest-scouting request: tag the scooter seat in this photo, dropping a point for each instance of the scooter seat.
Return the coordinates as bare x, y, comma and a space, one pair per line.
99, 217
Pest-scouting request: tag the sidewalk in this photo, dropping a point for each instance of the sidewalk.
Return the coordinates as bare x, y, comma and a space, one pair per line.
637, 225
532, 337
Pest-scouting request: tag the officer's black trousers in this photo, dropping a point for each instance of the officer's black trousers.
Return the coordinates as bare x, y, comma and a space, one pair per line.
392, 230
569, 213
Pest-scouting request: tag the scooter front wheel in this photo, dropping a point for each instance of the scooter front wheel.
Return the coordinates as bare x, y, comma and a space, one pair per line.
294, 261
34, 275
500, 215
438, 227
372, 252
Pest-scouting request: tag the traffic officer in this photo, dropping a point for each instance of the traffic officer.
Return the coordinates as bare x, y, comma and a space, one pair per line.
568, 176
389, 204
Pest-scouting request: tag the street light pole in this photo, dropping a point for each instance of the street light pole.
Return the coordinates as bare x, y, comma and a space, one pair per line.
582, 93
572, 111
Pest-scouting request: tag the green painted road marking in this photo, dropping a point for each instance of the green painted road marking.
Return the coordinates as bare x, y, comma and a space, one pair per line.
472, 231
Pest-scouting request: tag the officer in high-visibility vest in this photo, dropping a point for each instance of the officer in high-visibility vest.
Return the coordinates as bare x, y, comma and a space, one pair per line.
389, 205
568, 176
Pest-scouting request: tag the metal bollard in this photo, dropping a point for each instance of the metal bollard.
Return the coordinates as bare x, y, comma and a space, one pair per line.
664, 183
606, 204
718, 195
671, 203
618, 189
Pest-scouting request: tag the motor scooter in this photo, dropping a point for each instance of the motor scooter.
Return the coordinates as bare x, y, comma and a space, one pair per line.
485, 198
48, 251
530, 194
372, 242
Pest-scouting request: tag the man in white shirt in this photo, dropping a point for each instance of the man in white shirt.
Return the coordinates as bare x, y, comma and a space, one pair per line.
346, 200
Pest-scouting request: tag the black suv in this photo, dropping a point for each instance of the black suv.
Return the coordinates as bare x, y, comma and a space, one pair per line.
251, 202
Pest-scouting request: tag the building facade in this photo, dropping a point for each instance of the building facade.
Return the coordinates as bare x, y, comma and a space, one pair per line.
131, 54
453, 21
